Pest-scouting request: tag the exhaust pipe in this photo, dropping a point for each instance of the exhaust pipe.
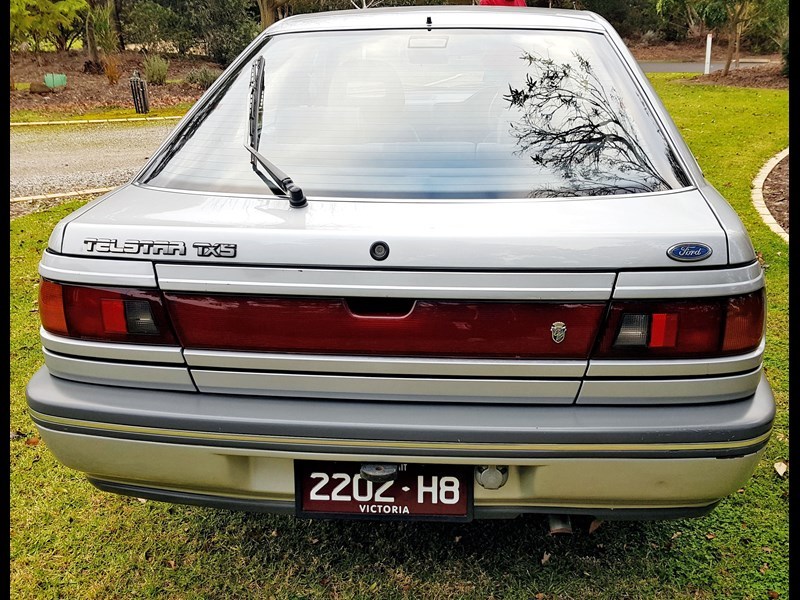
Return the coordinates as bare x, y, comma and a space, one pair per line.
560, 524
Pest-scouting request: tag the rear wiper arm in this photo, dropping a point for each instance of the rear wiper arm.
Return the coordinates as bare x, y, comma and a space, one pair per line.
297, 198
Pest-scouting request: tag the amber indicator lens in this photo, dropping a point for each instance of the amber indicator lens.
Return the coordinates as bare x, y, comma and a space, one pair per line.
51, 307
104, 314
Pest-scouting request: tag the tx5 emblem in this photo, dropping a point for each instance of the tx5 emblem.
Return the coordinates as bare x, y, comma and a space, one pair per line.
206, 249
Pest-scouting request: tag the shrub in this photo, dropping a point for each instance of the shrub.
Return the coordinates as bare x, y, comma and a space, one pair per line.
112, 69
146, 24
155, 69
105, 31
228, 40
227, 27
202, 77
650, 37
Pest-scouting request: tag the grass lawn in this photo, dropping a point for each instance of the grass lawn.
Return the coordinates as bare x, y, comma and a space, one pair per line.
31, 116
69, 540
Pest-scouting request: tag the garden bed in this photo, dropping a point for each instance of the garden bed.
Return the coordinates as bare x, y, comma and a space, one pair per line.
86, 92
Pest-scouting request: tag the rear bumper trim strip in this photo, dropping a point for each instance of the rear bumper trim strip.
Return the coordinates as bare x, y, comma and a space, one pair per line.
397, 445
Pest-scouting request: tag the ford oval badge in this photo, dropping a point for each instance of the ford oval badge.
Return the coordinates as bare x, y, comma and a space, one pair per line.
689, 251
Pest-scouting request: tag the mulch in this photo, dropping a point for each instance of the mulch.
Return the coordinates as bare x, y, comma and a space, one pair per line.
776, 193
85, 92
761, 76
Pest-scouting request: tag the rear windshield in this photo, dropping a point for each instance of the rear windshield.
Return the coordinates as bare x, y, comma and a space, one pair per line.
428, 114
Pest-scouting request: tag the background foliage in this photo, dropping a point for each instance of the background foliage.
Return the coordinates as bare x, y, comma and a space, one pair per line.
220, 29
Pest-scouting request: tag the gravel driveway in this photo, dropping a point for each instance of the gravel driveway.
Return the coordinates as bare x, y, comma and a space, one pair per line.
67, 158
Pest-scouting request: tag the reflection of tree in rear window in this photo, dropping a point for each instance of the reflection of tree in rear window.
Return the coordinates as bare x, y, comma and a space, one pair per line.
572, 125
394, 114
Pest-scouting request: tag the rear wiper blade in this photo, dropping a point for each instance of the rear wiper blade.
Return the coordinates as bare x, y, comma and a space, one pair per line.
297, 198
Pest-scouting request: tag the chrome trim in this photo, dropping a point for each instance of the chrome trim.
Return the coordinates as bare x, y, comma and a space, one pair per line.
126, 375
387, 388
111, 351
394, 284
669, 391
689, 284
96, 271
316, 363
392, 445
669, 368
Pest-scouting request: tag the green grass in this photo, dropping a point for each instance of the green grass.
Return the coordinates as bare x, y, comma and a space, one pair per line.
29, 116
70, 540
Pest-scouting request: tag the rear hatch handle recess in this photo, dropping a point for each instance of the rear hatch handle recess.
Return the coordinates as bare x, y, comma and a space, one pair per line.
297, 198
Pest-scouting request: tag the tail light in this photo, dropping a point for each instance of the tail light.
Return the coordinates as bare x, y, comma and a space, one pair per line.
398, 328
104, 314
701, 328
696, 328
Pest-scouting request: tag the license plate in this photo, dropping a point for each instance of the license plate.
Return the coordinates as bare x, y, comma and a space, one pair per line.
420, 492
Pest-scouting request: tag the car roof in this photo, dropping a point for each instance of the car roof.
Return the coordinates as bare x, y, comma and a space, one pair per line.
484, 17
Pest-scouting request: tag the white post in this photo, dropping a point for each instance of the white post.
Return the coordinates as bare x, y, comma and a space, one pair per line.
708, 55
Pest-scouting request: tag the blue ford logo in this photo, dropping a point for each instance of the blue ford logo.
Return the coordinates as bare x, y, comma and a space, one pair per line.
689, 251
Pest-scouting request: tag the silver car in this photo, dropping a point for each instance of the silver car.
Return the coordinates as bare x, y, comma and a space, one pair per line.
420, 263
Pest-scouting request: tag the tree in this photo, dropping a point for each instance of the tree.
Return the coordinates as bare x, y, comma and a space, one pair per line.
147, 24
20, 20
71, 29
770, 26
42, 20
681, 18
118, 24
91, 42
732, 17
268, 10
227, 27
628, 17
365, 3
107, 39
184, 24
738, 17
105, 31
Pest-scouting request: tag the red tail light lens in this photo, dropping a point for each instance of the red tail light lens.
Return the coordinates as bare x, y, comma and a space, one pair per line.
104, 314
398, 328
664, 330
701, 328
113, 315
697, 328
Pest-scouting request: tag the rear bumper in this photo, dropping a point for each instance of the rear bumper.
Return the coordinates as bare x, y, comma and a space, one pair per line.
239, 452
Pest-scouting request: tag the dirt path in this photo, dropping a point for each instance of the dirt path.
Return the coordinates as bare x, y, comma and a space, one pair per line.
47, 160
